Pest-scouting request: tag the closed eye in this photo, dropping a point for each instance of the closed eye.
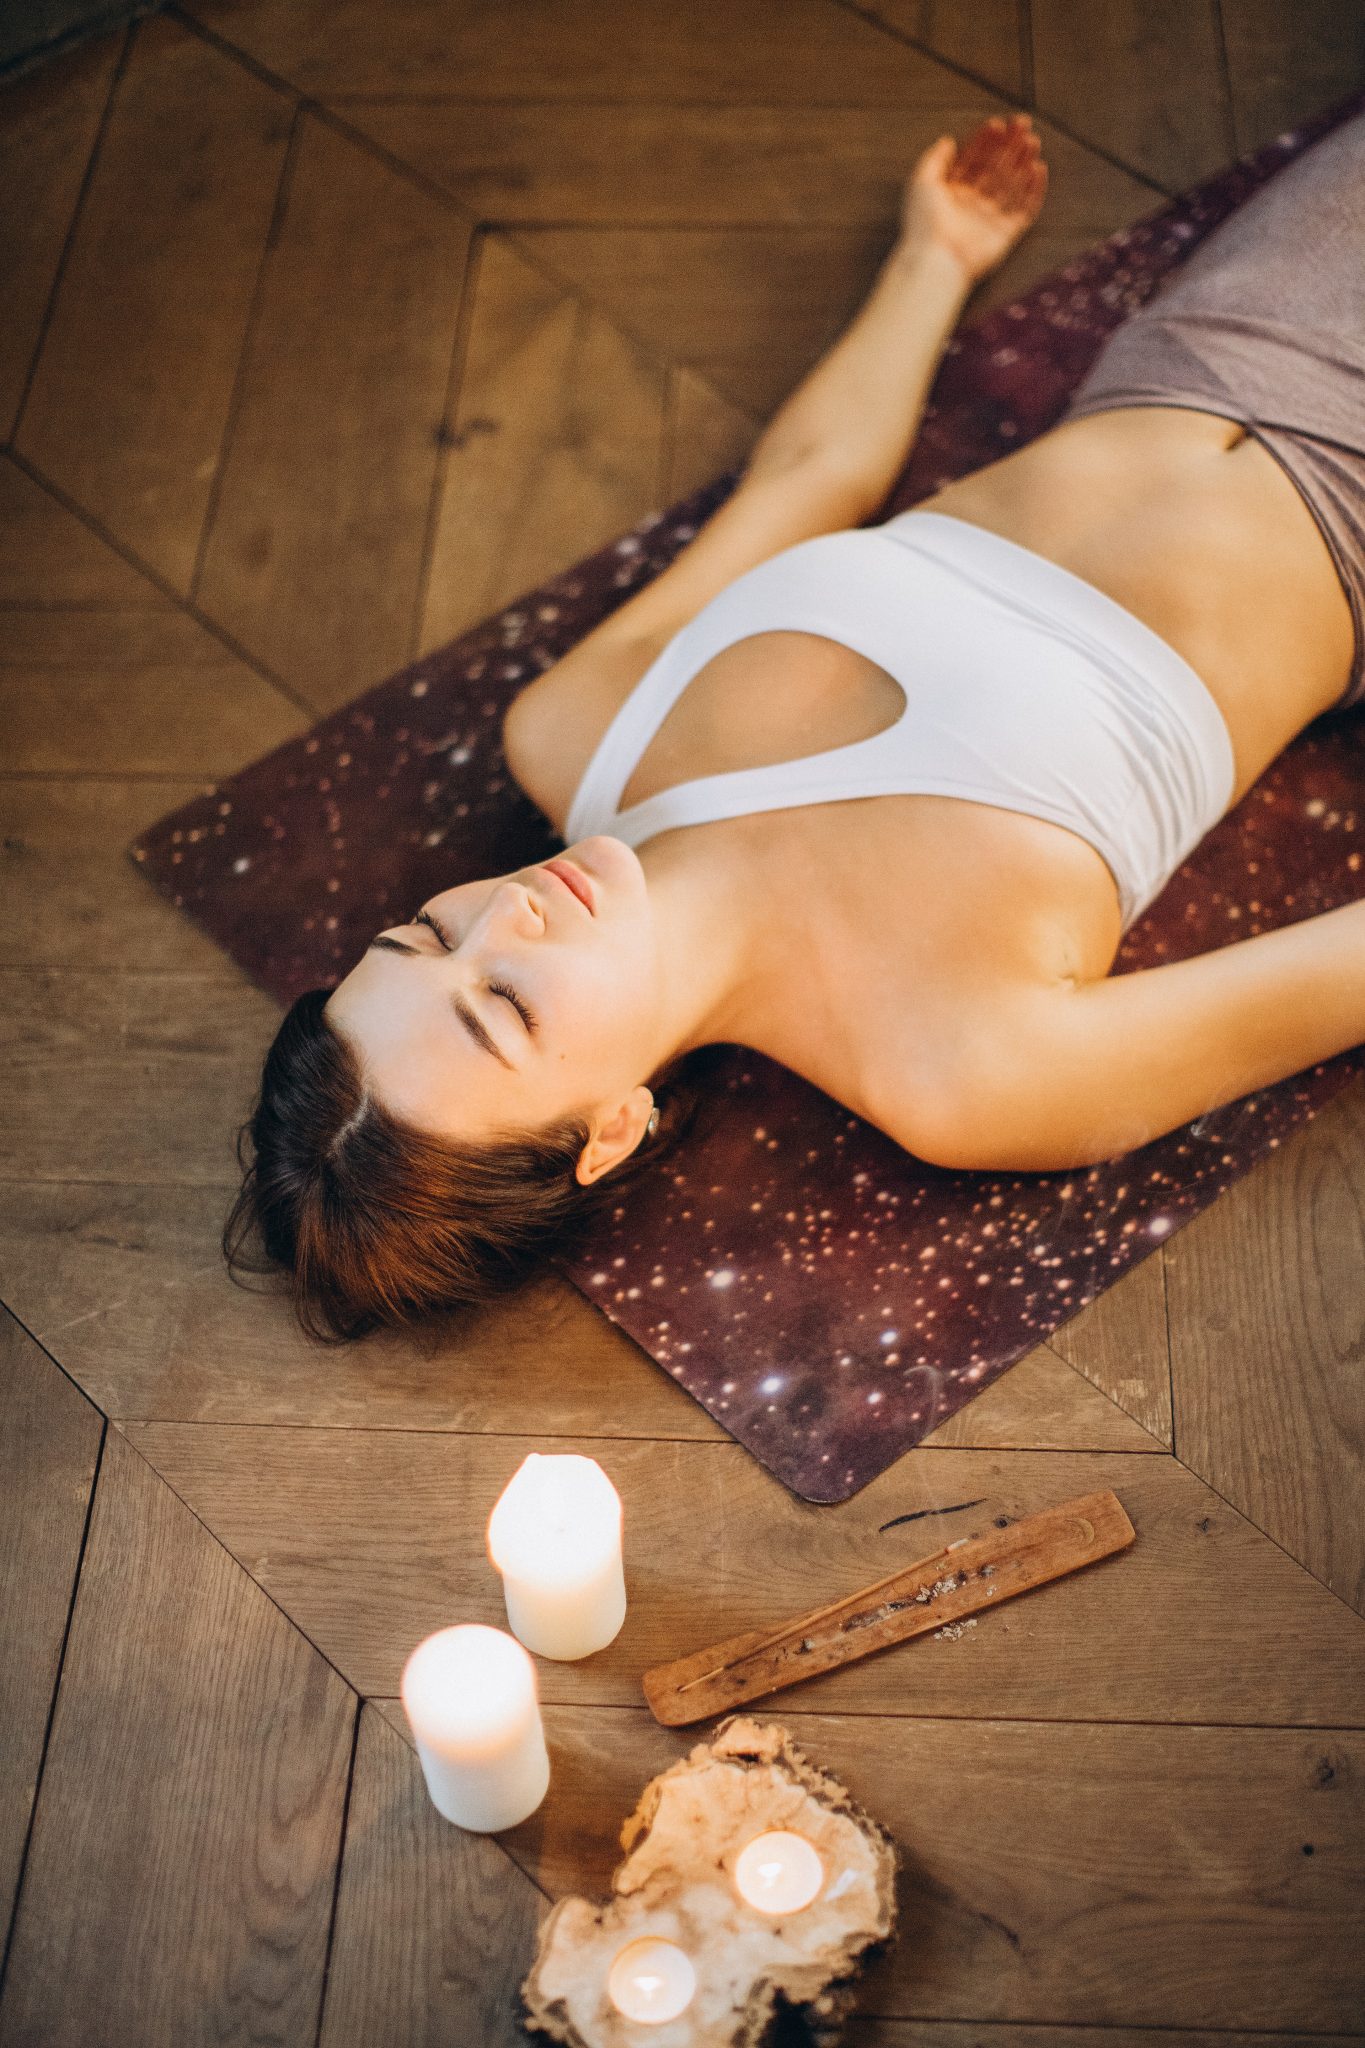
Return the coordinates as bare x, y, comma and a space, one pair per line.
500, 988
497, 988
425, 917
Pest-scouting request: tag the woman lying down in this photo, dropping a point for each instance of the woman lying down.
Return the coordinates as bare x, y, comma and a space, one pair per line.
881, 801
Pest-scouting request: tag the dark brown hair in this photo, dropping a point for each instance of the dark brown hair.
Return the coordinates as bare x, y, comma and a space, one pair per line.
379, 1224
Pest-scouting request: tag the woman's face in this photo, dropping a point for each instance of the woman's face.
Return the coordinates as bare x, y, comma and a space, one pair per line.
512, 1001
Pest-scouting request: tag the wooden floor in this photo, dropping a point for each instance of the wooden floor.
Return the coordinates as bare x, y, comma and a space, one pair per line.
327, 330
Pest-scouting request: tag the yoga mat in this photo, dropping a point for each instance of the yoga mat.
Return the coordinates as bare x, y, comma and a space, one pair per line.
823, 1294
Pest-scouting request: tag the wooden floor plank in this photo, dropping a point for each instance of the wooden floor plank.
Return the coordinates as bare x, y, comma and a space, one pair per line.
127, 1285
65, 879
49, 1448
180, 1877
980, 36
131, 692
47, 557
132, 392
1043, 1404
798, 52
866, 2032
1265, 1291
675, 166
706, 434
1143, 80
751, 309
556, 445
1174, 1629
435, 1928
1120, 1343
127, 1077
49, 120
1073, 1875
315, 551
1287, 63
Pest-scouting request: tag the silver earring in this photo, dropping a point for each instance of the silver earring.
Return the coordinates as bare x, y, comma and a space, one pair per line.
652, 1126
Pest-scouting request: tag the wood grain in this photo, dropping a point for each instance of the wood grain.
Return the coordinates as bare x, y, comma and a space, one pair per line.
49, 1448
867, 2032
435, 1928
705, 435
1075, 1875
49, 120
315, 551
127, 1284
129, 1076
569, 50
983, 37
676, 166
1265, 1292
1286, 64
147, 692
1143, 82
131, 397
179, 1882
47, 557
66, 886
1120, 1344
714, 1548
555, 447
752, 309
1042, 1404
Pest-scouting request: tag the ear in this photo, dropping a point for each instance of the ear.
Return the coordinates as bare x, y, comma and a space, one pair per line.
616, 1139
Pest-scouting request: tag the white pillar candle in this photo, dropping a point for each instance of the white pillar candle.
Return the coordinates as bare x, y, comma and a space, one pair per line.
651, 1981
470, 1697
555, 1535
778, 1872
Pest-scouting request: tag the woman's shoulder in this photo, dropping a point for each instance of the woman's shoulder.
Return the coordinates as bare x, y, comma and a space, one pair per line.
553, 728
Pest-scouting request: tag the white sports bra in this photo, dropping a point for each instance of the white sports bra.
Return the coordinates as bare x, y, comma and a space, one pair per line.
1025, 688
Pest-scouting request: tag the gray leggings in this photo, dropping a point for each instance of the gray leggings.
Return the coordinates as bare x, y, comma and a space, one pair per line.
1265, 324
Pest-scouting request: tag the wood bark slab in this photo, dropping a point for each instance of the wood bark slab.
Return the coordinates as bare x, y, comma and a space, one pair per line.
677, 1884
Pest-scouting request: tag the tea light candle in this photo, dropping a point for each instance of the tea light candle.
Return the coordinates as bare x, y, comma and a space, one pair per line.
651, 1981
778, 1873
470, 1697
555, 1535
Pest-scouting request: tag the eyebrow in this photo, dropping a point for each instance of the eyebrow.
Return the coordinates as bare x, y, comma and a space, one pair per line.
477, 1030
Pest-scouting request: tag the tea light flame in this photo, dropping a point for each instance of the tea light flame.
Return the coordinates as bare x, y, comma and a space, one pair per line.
651, 1981
779, 1872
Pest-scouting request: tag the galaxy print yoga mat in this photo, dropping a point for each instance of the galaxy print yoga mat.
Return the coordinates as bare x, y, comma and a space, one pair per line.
824, 1295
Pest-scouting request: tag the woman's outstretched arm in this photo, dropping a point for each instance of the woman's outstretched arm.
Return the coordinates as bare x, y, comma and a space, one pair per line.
962, 212
1067, 1076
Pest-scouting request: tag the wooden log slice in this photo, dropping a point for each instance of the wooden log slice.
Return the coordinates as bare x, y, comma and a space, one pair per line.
677, 1884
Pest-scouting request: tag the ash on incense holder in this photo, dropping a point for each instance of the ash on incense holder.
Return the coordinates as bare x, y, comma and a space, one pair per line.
752, 1887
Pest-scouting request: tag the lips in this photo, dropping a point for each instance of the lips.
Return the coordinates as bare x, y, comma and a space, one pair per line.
571, 877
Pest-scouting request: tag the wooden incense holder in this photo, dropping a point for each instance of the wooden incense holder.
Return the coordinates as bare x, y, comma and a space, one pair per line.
678, 1883
973, 1573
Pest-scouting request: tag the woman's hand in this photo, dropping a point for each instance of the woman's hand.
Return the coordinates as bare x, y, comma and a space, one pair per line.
977, 201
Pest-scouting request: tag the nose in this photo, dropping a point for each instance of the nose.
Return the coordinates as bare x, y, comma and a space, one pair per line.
512, 911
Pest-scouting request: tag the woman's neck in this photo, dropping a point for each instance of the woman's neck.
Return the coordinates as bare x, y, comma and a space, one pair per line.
726, 938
